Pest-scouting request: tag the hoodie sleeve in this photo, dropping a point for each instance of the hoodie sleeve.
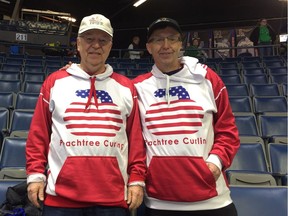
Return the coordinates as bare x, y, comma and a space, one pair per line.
137, 151
226, 140
38, 139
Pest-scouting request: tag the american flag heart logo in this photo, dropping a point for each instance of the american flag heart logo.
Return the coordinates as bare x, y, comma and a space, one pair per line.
181, 116
104, 120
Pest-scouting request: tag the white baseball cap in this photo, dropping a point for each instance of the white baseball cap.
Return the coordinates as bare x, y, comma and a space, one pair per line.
96, 21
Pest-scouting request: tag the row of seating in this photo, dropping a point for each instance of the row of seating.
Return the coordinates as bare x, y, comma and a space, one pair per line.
257, 89
258, 104
17, 86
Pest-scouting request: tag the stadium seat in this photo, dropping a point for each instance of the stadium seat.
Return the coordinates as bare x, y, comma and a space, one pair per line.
250, 178
264, 104
4, 123
255, 78
9, 75
251, 64
277, 70
240, 103
231, 79
237, 89
32, 86
277, 154
26, 100
7, 100
229, 71
13, 153
33, 68
279, 78
54, 63
147, 66
273, 126
13, 158
271, 89
20, 122
135, 72
256, 201
34, 62
34, 76
283, 87
275, 63
258, 70
10, 86
247, 124
250, 157
251, 58
14, 61
128, 65
233, 65
11, 67
4, 184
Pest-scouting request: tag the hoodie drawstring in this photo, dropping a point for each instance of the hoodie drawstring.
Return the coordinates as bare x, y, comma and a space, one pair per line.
92, 93
168, 89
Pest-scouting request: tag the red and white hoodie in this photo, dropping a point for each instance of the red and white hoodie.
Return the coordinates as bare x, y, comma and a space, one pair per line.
186, 121
86, 132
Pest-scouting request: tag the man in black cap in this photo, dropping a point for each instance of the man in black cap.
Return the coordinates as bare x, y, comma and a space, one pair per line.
189, 130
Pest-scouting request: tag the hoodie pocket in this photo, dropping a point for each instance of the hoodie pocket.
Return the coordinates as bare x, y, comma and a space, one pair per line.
91, 179
180, 178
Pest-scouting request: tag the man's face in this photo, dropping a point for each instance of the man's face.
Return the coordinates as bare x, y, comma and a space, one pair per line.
94, 47
165, 45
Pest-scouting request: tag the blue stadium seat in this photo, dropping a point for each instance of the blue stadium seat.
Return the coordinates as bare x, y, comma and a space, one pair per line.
32, 86
10, 86
11, 67
237, 89
33, 68
229, 71
258, 70
14, 61
247, 124
4, 184
4, 122
240, 104
271, 89
256, 201
266, 104
250, 157
231, 79
283, 88
20, 122
276, 63
26, 100
13, 153
233, 65
135, 72
272, 126
278, 78
34, 76
54, 63
10, 75
255, 78
251, 58
128, 65
34, 62
7, 100
278, 161
277, 70
251, 64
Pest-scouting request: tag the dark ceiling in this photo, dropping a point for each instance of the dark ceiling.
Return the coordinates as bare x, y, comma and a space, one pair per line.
191, 14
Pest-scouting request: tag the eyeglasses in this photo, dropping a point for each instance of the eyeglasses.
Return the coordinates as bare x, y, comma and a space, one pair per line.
160, 40
89, 39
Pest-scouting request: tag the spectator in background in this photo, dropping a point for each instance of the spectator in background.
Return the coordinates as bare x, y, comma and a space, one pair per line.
194, 49
86, 130
135, 53
263, 35
189, 130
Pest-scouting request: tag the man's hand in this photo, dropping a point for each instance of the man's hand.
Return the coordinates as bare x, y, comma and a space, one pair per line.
135, 196
36, 192
66, 66
215, 170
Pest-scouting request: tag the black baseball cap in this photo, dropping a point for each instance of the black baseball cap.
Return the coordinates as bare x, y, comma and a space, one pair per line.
163, 23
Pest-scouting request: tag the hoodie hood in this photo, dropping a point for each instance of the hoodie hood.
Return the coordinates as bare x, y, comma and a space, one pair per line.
75, 70
192, 72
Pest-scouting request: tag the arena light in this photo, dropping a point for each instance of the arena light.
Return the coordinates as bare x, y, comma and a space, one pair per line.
139, 2
70, 19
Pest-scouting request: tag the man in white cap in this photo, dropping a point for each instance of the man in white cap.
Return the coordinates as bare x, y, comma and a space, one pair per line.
85, 147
